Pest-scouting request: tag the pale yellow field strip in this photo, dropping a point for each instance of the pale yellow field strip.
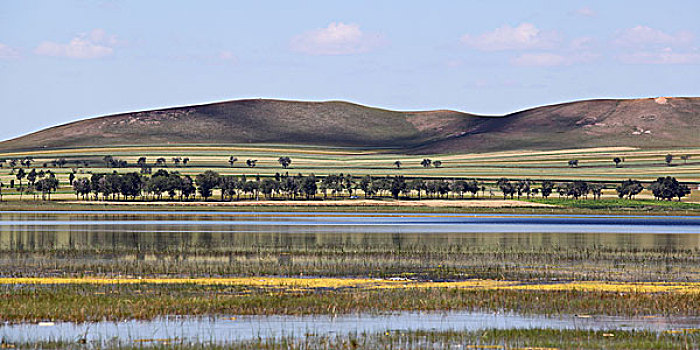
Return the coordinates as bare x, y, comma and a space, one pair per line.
370, 283
172, 149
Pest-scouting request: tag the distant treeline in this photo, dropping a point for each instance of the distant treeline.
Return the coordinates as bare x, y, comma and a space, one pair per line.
173, 186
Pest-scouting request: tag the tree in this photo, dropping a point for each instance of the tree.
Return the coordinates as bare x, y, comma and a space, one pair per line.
160, 161
617, 161
206, 182
176, 161
349, 184
20, 175
546, 189
229, 187
187, 188
31, 177
577, 189
473, 187
596, 190
82, 187
460, 186
71, 178
250, 187
109, 160
523, 186
46, 186
251, 163
668, 187
443, 187
397, 164
131, 185
95, 184
418, 185
629, 188
308, 186
232, 160
185, 161
506, 187
366, 186
284, 161
111, 185
268, 187
426, 162
573, 163
685, 158
398, 185
437, 163
668, 159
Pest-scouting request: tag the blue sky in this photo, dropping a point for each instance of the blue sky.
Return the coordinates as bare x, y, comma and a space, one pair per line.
67, 60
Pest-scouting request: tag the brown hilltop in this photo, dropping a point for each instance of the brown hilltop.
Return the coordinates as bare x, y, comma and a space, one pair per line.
663, 122
644, 123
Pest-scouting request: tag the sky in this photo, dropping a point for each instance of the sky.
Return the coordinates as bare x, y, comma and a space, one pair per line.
62, 61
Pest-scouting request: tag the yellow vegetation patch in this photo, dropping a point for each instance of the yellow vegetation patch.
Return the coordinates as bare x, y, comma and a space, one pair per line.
620, 287
290, 283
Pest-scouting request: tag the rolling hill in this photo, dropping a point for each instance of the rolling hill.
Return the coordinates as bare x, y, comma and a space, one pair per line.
645, 123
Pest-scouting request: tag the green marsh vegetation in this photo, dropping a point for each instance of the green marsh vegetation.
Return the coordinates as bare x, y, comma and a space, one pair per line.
434, 257
510, 339
89, 302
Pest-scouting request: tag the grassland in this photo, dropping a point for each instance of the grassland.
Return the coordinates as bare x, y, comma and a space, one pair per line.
595, 165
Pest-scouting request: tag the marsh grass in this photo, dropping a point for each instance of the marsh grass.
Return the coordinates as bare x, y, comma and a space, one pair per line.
364, 259
508, 339
87, 302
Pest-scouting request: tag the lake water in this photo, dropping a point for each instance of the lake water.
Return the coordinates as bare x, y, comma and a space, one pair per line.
223, 230
204, 232
228, 329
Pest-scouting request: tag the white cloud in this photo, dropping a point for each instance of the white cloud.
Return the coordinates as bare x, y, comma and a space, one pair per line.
643, 36
336, 39
95, 44
586, 12
7, 52
646, 45
100, 36
666, 56
523, 37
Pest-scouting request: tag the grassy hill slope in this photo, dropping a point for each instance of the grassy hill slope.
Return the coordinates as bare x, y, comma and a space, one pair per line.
255, 121
646, 123
643, 123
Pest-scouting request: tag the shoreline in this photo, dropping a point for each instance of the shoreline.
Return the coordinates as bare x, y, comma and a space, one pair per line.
494, 206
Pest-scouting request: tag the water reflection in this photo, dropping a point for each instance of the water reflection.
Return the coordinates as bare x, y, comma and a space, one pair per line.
26, 231
228, 329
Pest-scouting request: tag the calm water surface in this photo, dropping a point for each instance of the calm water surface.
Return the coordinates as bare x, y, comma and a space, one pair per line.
229, 329
222, 230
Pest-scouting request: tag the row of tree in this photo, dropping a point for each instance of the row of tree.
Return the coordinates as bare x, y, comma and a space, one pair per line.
37, 181
176, 186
